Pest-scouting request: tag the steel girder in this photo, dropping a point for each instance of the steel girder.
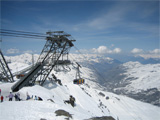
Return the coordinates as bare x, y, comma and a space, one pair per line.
5, 73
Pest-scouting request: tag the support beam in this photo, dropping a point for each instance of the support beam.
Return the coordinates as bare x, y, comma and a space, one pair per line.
5, 73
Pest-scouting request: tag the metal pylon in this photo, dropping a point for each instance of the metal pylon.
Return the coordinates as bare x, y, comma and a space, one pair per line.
57, 46
5, 73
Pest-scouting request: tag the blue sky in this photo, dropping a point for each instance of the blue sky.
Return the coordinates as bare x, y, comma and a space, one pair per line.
105, 27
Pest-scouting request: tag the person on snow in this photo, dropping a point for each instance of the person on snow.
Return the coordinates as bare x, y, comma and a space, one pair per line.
10, 96
18, 97
40, 99
28, 96
1, 98
0, 91
35, 98
70, 101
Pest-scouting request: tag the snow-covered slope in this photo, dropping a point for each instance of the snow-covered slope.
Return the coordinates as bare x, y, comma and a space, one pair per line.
132, 78
139, 81
89, 103
91, 99
143, 76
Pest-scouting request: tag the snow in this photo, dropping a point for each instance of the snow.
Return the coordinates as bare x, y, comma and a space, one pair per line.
88, 101
147, 76
87, 106
23, 58
15, 66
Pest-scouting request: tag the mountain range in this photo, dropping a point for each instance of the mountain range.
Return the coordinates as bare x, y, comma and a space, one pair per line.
138, 78
108, 82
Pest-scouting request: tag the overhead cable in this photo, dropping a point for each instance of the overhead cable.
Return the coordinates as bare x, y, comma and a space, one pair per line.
23, 34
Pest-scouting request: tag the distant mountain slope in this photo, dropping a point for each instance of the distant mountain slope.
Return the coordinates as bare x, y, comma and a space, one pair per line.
142, 60
144, 82
135, 80
142, 77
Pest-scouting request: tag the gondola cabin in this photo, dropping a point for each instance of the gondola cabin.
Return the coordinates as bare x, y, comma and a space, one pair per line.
78, 81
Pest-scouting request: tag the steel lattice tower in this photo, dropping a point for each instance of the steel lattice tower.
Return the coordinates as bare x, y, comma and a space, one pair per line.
57, 47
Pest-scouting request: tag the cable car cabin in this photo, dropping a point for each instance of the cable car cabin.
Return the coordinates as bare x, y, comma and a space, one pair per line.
78, 81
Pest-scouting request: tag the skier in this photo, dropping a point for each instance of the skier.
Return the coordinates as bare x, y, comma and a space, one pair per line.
1, 98
0, 91
10, 96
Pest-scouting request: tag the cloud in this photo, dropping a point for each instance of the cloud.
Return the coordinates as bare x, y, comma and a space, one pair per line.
105, 50
140, 51
28, 51
108, 19
13, 51
101, 50
117, 50
147, 54
155, 51
115, 20
136, 51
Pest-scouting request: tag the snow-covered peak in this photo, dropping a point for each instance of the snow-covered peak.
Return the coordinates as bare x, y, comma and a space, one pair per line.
27, 58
